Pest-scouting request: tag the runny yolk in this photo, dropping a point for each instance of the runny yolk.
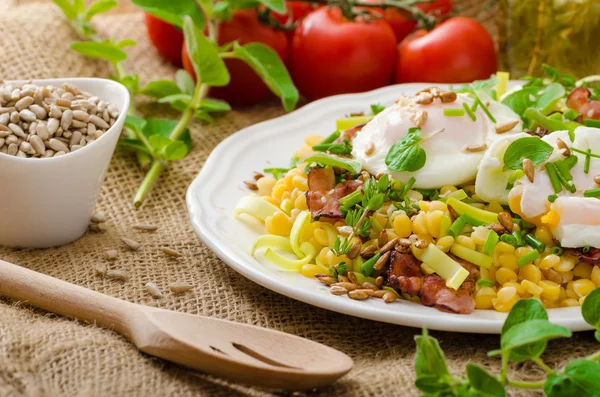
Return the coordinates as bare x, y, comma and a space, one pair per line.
514, 203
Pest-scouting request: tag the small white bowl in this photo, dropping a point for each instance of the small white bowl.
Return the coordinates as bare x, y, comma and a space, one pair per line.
49, 201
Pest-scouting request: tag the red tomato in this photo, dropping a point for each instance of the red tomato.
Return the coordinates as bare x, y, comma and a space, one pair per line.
246, 88
166, 38
403, 26
297, 9
458, 50
332, 55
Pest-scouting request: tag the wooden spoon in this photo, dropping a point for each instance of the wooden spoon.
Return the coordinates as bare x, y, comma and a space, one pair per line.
240, 352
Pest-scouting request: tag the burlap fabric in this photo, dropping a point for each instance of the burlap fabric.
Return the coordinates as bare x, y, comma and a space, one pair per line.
45, 355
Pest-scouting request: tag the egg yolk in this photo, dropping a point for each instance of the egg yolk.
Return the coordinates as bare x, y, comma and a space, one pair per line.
514, 203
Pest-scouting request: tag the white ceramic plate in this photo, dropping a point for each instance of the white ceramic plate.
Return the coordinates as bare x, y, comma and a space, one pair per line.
214, 193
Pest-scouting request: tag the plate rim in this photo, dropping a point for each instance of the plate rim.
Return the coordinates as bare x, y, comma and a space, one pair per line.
217, 244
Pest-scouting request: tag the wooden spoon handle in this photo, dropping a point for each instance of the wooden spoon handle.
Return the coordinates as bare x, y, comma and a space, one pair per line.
63, 298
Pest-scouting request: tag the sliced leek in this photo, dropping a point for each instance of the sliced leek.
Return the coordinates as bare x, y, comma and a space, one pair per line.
298, 228
255, 206
446, 267
308, 251
487, 217
351, 122
271, 241
476, 258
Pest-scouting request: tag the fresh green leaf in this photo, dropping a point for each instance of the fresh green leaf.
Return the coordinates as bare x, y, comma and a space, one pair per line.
79, 6
161, 89
175, 151
126, 43
550, 97
159, 142
204, 54
244, 4
214, 105
223, 10
580, 378
377, 108
267, 64
185, 82
591, 308
429, 359
483, 382
100, 49
532, 148
531, 331
131, 82
185, 98
337, 162
407, 153
134, 122
522, 99
565, 79
160, 127
486, 86
431, 383
204, 116
275, 5
98, 7
173, 11
67, 9
523, 311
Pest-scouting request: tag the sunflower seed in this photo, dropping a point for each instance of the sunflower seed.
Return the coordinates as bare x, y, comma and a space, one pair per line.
180, 287
144, 227
506, 221
171, 252
131, 244
153, 290
529, 169
359, 294
112, 254
382, 261
369, 149
24, 103
98, 122
562, 145
382, 238
424, 98
58, 145
336, 290
389, 297
475, 149
354, 250
505, 127
448, 96
325, 279
597, 179
121, 275
389, 245
346, 285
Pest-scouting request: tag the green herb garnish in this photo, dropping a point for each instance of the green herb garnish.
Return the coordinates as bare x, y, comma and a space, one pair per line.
469, 111
592, 193
407, 153
527, 258
532, 148
454, 112
485, 282
377, 108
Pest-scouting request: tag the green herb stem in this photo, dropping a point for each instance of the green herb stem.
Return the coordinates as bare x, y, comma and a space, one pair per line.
527, 258
542, 364
526, 385
503, 377
592, 193
332, 137
553, 175
587, 153
147, 183
469, 111
454, 112
595, 356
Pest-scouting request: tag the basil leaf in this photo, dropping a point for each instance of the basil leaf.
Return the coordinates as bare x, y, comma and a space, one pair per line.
204, 54
429, 359
532, 148
580, 378
161, 89
184, 98
529, 332
173, 11
431, 383
214, 105
377, 108
67, 9
483, 382
275, 5
150, 127
488, 86
523, 311
175, 150
549, 97
267, 64
100, 49
522, 99
591, 308
407, 153
204, 116
185, 82
158, 142
99, 7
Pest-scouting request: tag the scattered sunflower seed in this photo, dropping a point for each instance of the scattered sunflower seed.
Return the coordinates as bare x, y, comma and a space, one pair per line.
370, 148
153, 290
475, 149
382, 261
100, 270
383, 238
112, 254
347, 285
562, 145
448, 96
505, 127
98, 217
180, 287
117, 274
368, 285
251, 185
529, 169
359, 294
506, 221
597, 179
389, 245
379, 293
131, 244
325, 279
171, 252
146, 228
389, 297
337, 290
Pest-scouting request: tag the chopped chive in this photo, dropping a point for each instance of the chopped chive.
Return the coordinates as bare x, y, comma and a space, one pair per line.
485, 282
454, 112
293, 162
588, 158
586, 249
552, 198
556, 250
367, 267
457, 227
553, 174
518, 238
570, 161
334, 135
592, 192
322, 147
556, 116
527, 258
592, 123
564, 179
588, 152
408, 186
472, 220
508, 239
490, 243
484, 108
509, 186
563, 169
571, 114
517, 174
469, 111
535, 243
351, 199
277, 172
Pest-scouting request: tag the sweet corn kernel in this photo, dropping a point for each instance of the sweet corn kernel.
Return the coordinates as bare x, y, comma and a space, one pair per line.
566, 276
569, 302
424, 205
550, 261
484, 297
447, 189
531, 273
506, 298
419, 223
301, 203
465, 242
495, 206
479, 235
544, 234
402, 225
532, 288
522, 251
271, 200
279, 224
322, 256
418, 253
565, 264
508, 261
595, 276
550, 304
551, 290
265, 185
414, 196
303, 151
437, 205
583, 287
583, 270
562, 295
433, 222
505, 275
445, 243
279, 189
309, 270
581, 300
570, 291
485, 273
286, 195
520, 290
321, 237
313, 139
503, 247
287, 206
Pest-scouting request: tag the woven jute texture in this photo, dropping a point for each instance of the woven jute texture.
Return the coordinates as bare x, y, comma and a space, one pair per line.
45, 355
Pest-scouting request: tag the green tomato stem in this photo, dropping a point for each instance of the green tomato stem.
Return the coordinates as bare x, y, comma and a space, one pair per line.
526, 385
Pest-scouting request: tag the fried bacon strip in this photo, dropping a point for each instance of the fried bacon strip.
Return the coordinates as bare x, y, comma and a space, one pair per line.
323, 196
405, 274
579, 99
592, 256
350, 133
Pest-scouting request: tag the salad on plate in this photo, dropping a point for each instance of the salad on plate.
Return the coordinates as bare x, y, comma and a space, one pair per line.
465, 199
